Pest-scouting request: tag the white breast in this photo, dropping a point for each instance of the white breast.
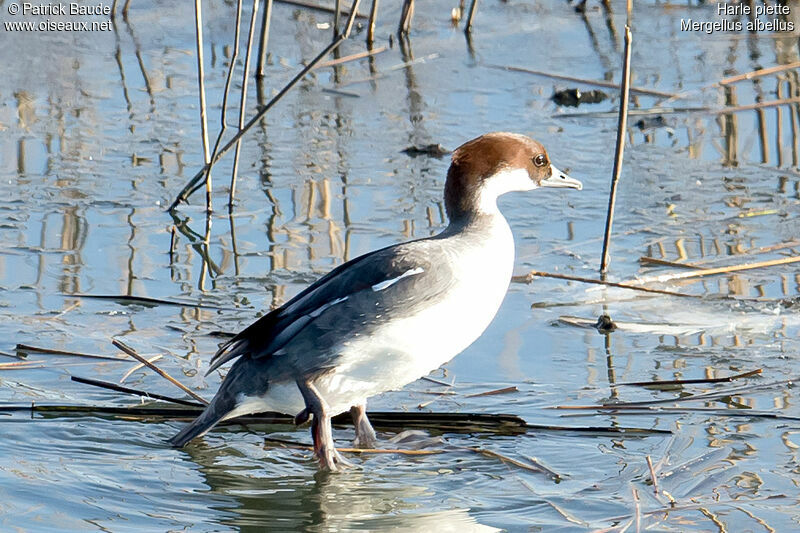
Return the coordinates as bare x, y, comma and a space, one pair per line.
409, 348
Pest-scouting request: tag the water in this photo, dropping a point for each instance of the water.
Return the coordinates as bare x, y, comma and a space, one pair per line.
100, 130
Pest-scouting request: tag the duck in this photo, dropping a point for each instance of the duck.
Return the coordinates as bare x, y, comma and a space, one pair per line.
385, 319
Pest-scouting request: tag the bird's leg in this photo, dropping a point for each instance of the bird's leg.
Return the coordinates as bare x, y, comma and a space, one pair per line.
301, 417
365, 435
321, 431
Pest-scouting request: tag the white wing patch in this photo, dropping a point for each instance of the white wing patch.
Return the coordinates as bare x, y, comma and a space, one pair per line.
389, 282
319, 310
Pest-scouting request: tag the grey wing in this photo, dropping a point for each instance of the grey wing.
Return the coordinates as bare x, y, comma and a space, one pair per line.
353, 298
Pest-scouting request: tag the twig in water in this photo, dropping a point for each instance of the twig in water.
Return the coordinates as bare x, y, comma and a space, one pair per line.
597, 83
504, 390
533, 467
352, 57
20, 365
266, 20
373, 13
691, 381
439, 382
472, 10
652, 474
183, 195
527, 278
737, 78
136, 392
130, 351
758, 105
718, 270
622, 127
663, 262
36, 349
127, 374
406, 14
173, 241
147, 300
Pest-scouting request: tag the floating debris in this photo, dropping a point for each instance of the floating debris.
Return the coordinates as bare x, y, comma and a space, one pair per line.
576, 97
431, 150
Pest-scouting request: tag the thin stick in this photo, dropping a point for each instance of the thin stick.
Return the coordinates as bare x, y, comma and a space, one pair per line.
596, 83
727, 379
758, 73
506, 459
130, 351
28, 348
266, 20
504, 390
136, 392
471, 17
21, 364
622, 126
243, 103
263, 111
663, 262
136, 367
352, 57
719, 270
439, 382
373, 13
652, 473
147, 300
201, 87
527, 278
406, 13
759, 105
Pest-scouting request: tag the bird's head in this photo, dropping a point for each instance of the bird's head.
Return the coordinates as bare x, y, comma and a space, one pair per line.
494, 164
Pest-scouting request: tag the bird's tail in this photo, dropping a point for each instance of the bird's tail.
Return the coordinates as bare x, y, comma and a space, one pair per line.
209, 418
241, 379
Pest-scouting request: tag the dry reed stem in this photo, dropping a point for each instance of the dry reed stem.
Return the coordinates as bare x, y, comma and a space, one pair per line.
373, 13
586, 81
718, 270
130, 351
198, 17
36, 349
727, 379
750, 107
506, 459
439, 382
136, 392
504, 390
266, 20
622, 127
652, 474
472, 10
663, 262
148, 300
136, 367
21, 365
353, 57
527, 278
242, 102
758, 73
182, 196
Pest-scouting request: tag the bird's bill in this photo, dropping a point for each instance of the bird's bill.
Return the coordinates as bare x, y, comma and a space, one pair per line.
561, 180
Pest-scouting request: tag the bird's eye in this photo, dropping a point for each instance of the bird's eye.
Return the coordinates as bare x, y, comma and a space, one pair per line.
540, 160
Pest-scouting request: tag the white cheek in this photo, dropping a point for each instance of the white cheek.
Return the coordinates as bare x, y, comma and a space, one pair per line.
501, 183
